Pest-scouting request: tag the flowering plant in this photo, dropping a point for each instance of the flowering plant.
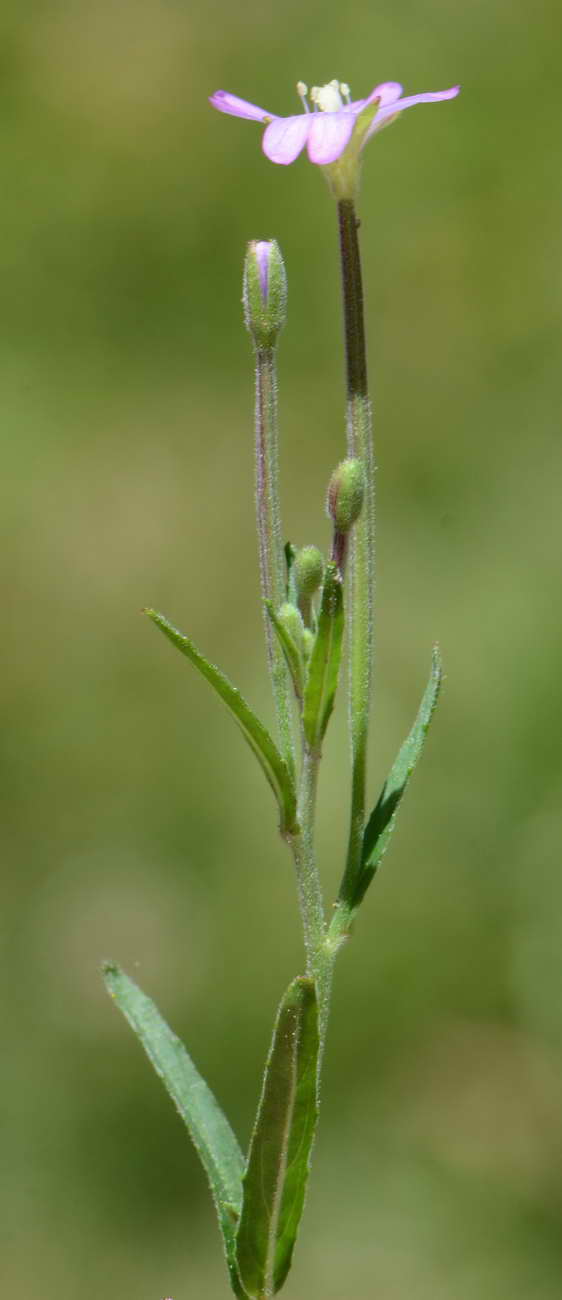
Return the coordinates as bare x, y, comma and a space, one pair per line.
327, 131
335, 131
308, 601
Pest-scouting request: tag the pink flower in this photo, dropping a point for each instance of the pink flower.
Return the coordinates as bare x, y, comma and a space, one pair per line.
327, 129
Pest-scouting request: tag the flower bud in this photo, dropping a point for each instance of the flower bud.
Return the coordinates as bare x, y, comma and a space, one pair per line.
346, 494
291, 620
264, 292
308, 569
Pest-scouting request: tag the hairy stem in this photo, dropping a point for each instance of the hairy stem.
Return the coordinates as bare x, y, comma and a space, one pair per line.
270, 544
318, 959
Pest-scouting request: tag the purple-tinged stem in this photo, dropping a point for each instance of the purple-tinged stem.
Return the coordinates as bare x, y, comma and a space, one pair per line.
360, 607
339, 550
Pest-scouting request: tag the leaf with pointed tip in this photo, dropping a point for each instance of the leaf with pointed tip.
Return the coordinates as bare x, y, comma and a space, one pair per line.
290, 651
279, 1157
324, 663
382, 820
257, 736
208, 1128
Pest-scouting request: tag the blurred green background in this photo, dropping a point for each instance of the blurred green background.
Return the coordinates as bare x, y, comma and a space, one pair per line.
135, 824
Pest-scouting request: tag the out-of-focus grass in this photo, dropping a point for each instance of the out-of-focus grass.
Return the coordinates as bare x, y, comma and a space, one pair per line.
134, 824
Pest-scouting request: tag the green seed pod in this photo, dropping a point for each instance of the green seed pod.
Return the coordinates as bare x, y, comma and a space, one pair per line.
264, 292
346, 494
308, 570
291, 619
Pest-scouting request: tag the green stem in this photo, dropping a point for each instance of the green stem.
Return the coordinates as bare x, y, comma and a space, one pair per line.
361, 564
271, 555
318, 958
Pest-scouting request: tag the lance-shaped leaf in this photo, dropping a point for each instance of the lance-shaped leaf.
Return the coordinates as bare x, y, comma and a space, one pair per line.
257, 736
208, 1128
324, 663
279, 1158
382, 820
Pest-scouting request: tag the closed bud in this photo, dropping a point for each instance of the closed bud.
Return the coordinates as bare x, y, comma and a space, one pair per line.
308, 569
308, 643
264, 292
346, 494
291, 620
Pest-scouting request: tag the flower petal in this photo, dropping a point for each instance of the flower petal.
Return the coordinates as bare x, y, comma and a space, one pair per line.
227, 103
387, 93
397, 106
262, 248
329, 135
285, 137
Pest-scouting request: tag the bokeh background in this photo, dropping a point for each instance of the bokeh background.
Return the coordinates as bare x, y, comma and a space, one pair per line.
134, 823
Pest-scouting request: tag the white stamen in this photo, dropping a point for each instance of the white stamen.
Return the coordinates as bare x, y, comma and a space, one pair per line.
345, 91
302, 92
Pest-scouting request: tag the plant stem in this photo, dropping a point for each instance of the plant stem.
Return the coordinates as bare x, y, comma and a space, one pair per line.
318, 958
361, 566
271, 556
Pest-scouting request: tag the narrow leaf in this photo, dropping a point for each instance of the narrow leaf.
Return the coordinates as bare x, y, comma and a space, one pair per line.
279, 1158
208, 1128
382, 820
324, 664
290, 651
257, 736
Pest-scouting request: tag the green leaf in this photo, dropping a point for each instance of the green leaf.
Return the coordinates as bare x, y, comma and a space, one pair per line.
257, 736
290, 650
324, 664
382, 820
279, 1158
208, 1128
